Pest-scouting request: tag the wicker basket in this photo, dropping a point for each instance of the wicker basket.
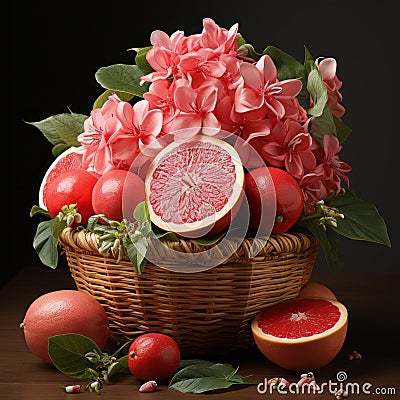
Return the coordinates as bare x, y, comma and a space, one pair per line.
208, 311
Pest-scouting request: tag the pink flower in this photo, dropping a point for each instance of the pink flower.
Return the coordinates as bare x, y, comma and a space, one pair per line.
197, 106
245, 125
261, 89
100, 131
314, 188
201, 63
327, 175
231, 77
327, 69
117, 133
288, 145
142, 124
332, 168
220, 40
160, 96
164, 56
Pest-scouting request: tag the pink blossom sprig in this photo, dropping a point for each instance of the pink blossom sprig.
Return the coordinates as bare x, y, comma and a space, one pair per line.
201, 83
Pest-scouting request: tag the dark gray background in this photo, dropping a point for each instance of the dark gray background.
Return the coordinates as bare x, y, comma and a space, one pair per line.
54, 55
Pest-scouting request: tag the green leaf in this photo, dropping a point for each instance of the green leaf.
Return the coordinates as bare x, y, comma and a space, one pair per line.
240, 41
122, 77
141, 250
62, 128
136, 253
309, 62
288, 67
209, 241
141, 60
59, 148
342, 130
247, 50
45, 244
67, 351
106, 94
141, 213
329, 240
119, 366
322, 125
58, 228
195, 361
318, 92
39, 210
202, 377
93, 225
361, 221
168, 236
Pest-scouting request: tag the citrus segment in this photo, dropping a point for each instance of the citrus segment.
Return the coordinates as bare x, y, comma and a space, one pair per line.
64, 162
195, 188
301, 334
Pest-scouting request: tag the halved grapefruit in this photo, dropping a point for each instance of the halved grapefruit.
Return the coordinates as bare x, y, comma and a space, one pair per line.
301, 334
64, 162
195, 188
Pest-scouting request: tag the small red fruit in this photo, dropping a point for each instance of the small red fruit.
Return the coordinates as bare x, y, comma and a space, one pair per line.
153, 356
71, 187
260, 196
116, 193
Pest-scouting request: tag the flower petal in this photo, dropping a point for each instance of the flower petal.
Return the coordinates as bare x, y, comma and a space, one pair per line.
184, 98
211, 125
327, 68
152, 122
185, 126
252, 76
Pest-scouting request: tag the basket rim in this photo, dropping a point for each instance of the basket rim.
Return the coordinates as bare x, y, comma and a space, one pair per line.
84, 241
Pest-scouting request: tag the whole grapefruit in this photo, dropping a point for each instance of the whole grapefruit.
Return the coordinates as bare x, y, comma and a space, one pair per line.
301, 334
195, 188
286, 194
71, 187
60, 312
65, 161
314, 289
116, 193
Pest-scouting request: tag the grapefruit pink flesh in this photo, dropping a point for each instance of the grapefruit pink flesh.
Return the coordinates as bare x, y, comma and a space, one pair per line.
301, 334
294, 320
195, 188
64, 162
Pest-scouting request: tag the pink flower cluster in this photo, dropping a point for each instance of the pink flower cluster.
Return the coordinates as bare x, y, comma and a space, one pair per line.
201, 83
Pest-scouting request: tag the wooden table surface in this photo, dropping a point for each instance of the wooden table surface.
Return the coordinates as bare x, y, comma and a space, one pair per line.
371, 299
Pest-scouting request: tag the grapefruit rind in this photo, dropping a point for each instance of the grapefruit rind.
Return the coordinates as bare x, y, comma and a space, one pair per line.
201, 227
65, 153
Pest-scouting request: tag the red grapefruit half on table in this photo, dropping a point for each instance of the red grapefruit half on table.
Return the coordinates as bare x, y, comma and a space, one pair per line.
64, 162
301, 334
195, 188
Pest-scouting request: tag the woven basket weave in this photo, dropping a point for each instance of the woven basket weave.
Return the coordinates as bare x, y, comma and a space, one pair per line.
205, 312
